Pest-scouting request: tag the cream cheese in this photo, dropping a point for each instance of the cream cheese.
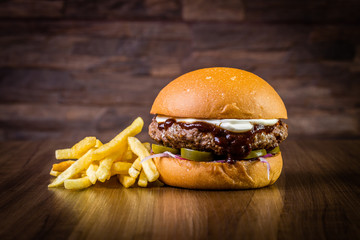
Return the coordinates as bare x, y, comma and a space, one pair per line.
233, 125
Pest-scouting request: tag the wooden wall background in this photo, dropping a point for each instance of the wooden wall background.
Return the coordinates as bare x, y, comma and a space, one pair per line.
71, 68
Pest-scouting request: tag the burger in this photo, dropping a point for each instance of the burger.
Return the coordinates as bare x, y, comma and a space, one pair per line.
218, 128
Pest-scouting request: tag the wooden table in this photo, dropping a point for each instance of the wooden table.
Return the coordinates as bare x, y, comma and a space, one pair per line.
316, 197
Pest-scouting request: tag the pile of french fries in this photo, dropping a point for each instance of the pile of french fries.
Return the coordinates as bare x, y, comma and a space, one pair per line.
92, 161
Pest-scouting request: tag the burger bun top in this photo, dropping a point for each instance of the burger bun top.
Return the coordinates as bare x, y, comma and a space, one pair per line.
219, 93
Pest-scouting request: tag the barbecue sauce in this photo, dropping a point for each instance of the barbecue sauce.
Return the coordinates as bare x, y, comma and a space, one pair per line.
236, 145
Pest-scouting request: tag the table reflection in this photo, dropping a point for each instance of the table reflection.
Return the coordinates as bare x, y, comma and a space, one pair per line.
163, 212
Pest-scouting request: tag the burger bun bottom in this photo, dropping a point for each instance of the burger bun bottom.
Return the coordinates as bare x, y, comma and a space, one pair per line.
245, 174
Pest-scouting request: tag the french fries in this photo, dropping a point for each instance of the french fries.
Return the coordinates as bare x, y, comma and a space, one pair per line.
54, 173
60, 167
118, 143
91, 172
126, 181
98, 143
96, 161
128, 156
135, 168
142, 182
65, 154
76, 184
149, 166
77, 150
120, 168
81, 164
104, 171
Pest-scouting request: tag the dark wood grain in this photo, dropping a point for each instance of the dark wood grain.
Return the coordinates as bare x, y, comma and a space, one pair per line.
70, 67
316, 197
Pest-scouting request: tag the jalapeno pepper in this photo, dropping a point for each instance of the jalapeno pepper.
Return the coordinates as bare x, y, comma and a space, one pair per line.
275, 150
160, 149
256, 153
194, 155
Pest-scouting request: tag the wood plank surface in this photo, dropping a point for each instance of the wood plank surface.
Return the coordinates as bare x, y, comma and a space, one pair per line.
316, 197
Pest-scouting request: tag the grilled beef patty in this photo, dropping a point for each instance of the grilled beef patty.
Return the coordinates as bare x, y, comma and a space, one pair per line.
208, 137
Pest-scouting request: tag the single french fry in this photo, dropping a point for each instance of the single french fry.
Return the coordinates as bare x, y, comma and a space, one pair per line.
77, 184
135, 168
119, 142
120, 168
149, 166
55, 173
150, 170
104, 171
77, 150
142, 182
138, 148
65, 154
83, 146
60, 167
91, 173
81, 164
126, 181
98, 143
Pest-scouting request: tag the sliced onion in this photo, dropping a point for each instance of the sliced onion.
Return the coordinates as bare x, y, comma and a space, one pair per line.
164, 154
267, 155
263, 160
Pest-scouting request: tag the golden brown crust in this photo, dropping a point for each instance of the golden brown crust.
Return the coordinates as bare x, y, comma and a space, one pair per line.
219, 93
214, 175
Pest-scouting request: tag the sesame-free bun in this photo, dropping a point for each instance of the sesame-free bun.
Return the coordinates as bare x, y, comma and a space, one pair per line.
219, 93
214, 175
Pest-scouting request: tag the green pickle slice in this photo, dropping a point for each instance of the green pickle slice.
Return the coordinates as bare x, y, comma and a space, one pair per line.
275, 150
160, 149
256, 153
197, 156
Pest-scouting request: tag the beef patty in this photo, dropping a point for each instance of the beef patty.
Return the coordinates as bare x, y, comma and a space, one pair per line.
208, 137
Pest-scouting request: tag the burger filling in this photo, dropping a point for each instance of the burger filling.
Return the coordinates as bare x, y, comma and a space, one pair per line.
225, 139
